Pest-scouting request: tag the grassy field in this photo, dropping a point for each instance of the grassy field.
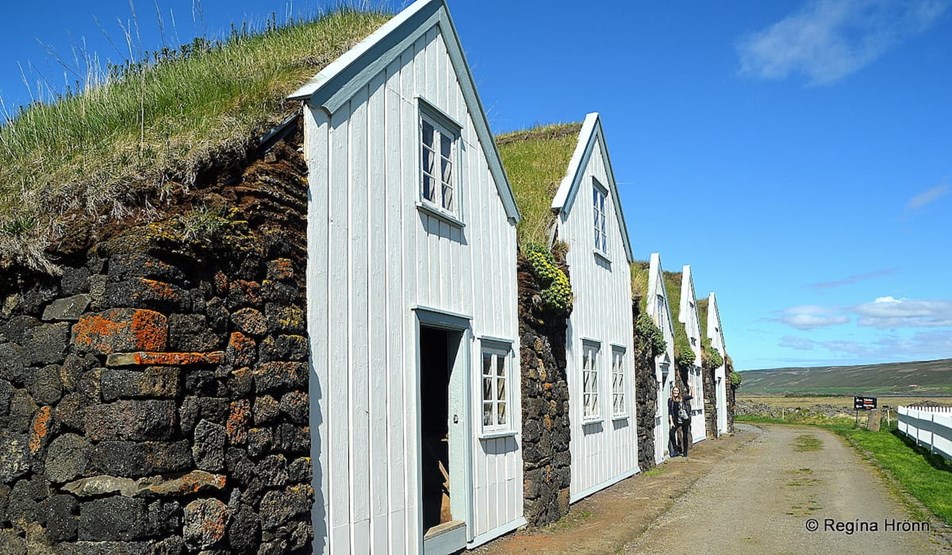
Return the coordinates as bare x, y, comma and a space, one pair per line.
926, 477
840, 401
926, 378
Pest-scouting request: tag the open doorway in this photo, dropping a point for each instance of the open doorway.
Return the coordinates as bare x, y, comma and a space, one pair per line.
440, 429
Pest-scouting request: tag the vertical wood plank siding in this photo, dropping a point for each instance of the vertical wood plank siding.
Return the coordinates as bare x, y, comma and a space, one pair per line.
692, 326
373, 256
603, 451
664, 321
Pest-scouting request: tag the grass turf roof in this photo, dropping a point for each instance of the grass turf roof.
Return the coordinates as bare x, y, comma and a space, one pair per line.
536, 160
154, 124
639, 282
702, 316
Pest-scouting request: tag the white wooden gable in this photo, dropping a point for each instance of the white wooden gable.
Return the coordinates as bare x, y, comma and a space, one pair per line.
688, 313
334, 86
714, 330
657, 288
590, 136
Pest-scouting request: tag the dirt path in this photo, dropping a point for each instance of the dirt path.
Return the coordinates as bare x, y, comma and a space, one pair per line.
762, 499
606, 521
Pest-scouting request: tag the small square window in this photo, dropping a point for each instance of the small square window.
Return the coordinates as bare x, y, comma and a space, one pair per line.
590, 407
438, 176
495, 390
619, 401
599, 203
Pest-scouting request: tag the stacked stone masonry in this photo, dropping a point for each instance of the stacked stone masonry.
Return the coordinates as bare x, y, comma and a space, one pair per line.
646, 398
547, 460
153, 398
710, 400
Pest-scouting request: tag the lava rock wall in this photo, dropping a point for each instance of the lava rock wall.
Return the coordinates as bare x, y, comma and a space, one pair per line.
710, 402
153, 398
547, 460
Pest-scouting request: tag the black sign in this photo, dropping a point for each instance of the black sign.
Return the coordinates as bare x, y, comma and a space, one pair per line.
864, 403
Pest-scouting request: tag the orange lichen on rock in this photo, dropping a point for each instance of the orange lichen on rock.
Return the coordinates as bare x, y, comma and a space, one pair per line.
280, 269
160, 289
164, 359
239, 417
40, 428
122, 329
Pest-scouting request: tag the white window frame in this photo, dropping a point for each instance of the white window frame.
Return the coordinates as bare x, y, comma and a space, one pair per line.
497, 351
589, 382
661, 304
600, 206
443, 127
619, 383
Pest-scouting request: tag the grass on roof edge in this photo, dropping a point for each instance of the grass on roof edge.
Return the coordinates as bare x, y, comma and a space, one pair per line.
535, 161
639, 282
151, 127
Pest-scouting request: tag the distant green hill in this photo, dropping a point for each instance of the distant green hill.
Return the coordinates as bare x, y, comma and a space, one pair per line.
932, 377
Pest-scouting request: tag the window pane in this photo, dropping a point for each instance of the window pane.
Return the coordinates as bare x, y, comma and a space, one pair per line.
446, 146
501, 419
501, 389
487, 364
500, 365
428, 134
487, 389
428, 188
448, 197
487, 414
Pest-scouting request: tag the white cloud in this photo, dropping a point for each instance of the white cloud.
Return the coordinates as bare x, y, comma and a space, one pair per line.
889, 312
926, 197
924, 345
828, 40
808, 317
849, 280
798, 343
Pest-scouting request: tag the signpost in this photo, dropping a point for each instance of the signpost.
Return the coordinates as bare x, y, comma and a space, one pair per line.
862, 403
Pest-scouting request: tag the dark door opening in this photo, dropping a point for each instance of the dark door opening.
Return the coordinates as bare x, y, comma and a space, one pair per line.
438, 350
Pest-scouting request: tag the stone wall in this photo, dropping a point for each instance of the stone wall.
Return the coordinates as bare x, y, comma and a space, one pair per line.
545, 405
646, 398
710, 401
731, 407
153, 398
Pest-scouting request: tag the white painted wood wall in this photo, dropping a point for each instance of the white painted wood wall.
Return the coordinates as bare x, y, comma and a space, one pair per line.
606, 451
716, 335
661, 316
689, 317
372, 257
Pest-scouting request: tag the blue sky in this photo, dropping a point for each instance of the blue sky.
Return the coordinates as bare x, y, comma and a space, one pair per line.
797, 154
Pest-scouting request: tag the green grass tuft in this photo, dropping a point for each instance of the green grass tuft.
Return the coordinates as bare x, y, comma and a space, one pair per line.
536, 160
151, 124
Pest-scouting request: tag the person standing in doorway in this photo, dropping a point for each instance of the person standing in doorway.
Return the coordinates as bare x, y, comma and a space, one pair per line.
679, 420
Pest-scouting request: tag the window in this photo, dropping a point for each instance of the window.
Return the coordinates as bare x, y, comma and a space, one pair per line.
599, 194
590, 382
619, 406
438, 171
662, 313
495, 376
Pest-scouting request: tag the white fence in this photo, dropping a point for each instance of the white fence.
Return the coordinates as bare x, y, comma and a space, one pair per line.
929, 427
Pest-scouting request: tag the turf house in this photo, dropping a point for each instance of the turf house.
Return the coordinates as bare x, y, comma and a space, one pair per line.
417, 444
278, 294
654, 302
714, 339
689, 360
583, 215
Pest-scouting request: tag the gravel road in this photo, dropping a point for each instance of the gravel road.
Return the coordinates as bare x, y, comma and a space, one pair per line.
761, 499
